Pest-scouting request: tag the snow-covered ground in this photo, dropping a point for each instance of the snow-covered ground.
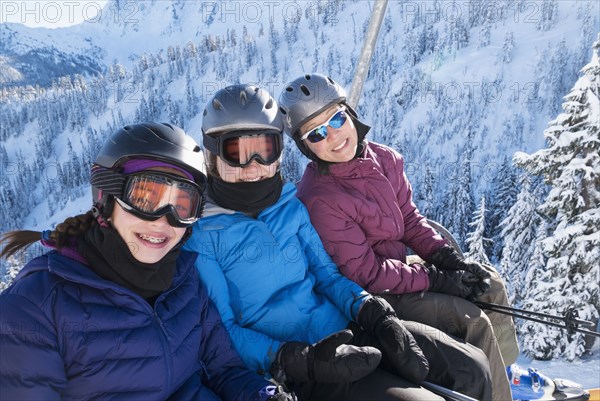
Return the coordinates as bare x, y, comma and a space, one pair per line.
585, 371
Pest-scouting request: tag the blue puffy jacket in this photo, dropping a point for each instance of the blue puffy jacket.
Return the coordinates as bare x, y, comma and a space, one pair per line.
67, 334
271, 278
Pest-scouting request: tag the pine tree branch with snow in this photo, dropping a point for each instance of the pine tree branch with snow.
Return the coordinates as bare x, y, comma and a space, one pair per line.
570, 165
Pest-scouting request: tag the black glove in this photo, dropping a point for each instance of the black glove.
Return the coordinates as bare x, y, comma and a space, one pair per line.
278, 394
446, 258
483, 282
330, 360
459, 283
283, 397
378, 318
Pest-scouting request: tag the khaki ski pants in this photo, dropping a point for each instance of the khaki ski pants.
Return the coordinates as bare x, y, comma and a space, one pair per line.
492, 332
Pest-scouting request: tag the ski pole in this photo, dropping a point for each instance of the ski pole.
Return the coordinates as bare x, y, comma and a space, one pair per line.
447, 393
570, 320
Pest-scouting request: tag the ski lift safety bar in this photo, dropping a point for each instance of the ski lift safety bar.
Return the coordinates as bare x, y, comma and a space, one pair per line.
362, 68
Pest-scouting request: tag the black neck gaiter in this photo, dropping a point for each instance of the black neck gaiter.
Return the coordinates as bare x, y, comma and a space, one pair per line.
246, 197
110, 258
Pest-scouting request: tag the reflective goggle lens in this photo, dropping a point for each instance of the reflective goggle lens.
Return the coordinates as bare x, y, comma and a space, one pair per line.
154, 195
319, 133
239, 151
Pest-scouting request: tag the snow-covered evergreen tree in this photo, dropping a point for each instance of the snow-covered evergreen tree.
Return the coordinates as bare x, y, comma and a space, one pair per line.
536, 339
10, 270
475, 239
571, 166
458, 204
519, 230
426, 200
500, 198
508, 47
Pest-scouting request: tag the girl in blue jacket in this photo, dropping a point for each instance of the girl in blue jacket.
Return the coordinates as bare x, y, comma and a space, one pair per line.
117, 311
290, 313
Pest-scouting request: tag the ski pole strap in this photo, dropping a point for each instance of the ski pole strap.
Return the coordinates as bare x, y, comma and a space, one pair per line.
570, 320
446, 392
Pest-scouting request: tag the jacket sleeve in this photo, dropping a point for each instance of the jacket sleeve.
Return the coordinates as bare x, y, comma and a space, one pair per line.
342, 292
347, 244
418, 234
31, 367
226, 374
257, 350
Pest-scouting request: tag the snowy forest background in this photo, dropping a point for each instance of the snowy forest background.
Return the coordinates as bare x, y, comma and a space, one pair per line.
495, 106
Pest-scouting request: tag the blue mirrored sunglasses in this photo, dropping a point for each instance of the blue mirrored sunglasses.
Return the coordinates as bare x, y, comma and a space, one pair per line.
319, 133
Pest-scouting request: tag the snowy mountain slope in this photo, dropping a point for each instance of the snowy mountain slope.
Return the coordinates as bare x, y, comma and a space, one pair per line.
37, 56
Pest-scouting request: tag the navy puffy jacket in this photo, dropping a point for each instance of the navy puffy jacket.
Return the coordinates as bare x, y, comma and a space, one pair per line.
68, 334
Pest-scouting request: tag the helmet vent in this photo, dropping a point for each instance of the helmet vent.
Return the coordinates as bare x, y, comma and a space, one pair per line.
330, 81
282, 110
307, 77
243, 98
289, 89
305, 90
269, 104
217, 105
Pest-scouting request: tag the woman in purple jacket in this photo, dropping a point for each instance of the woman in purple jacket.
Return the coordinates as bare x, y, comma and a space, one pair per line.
360, 201
117, 310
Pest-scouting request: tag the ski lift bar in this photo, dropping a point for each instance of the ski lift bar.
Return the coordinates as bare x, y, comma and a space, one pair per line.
447, 235
362, 68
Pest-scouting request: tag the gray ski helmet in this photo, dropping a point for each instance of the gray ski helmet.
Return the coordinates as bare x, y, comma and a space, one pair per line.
153, 141
305, 97
241, 107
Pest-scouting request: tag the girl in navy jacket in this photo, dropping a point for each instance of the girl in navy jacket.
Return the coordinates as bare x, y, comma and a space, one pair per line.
117, 310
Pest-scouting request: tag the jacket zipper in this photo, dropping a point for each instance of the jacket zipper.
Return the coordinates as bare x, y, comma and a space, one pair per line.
165, 346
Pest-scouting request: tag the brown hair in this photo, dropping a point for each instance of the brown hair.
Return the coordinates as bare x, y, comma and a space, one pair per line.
15, 241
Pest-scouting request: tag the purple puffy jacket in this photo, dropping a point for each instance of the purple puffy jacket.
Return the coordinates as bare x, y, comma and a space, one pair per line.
365, 216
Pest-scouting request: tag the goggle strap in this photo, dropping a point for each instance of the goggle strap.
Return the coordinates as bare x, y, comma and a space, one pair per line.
107, 180
167, 210
210, 143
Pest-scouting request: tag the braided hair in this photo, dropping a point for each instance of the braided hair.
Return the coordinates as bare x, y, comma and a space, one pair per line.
73, 227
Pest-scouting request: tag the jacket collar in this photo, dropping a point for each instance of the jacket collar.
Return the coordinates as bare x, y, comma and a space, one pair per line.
213, 210
74, 270
349, 169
